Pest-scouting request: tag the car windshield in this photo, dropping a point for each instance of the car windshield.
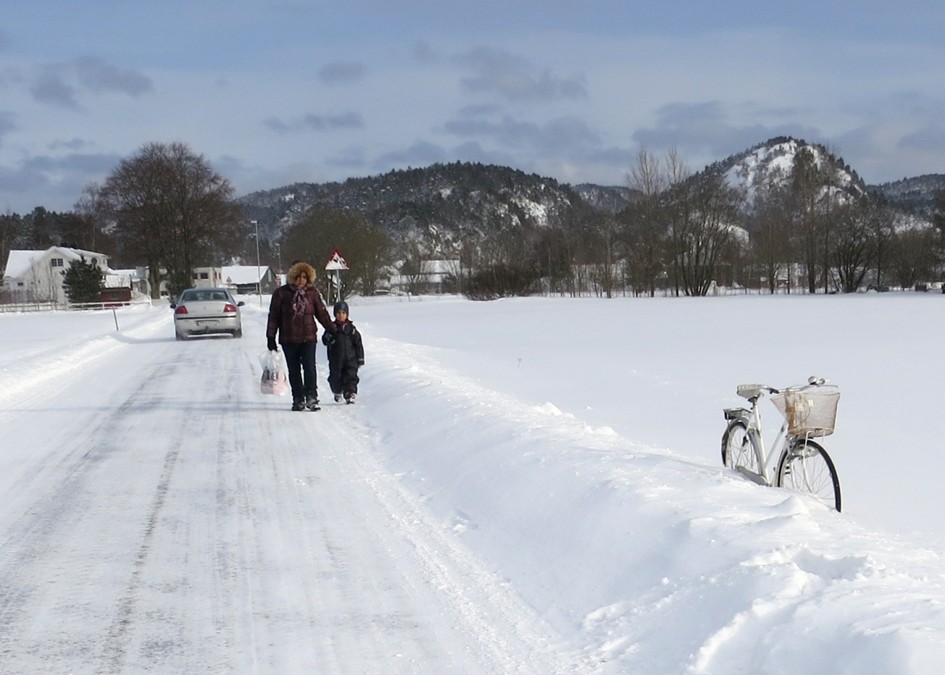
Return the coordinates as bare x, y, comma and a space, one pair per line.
203, 296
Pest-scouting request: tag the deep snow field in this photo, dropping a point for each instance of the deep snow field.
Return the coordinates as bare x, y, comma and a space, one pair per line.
527, 485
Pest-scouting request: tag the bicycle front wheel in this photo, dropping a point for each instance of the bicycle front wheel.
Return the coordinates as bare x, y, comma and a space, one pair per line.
805, 466
737, 448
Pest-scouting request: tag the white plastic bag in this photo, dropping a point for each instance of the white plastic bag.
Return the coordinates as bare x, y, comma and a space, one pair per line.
274, 378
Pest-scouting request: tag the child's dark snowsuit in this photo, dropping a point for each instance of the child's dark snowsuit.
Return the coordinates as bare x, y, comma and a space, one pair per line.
345, 356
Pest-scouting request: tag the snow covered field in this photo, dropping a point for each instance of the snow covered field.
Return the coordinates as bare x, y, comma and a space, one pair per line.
529, 485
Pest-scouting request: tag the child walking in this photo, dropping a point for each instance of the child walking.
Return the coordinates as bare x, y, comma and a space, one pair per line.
345, 355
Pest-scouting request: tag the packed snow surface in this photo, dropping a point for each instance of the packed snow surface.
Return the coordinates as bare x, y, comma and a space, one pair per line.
524, 486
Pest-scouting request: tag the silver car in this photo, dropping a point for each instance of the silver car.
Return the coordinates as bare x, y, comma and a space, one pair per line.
202, 311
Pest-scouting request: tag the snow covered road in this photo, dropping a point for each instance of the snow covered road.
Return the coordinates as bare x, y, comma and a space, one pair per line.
161, 515
477, 511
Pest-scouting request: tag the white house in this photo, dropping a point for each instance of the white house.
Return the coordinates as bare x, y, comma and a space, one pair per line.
37, 276
431, 277
239, 278
249, 279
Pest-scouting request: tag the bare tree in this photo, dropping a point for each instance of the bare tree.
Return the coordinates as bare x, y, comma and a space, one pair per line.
506, 265
645, 229
171, 210
854, 245
676, 208
704, 210
366, 248
412, 257
603, 245
913, 255
553, 252
882, 227
771, 232
817, 196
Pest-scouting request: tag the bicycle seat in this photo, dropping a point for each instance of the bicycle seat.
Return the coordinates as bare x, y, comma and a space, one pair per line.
750, 391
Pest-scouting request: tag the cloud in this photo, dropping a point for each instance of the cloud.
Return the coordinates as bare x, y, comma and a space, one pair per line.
420, 153
703, 132
51, 88
350, 158
513, 78
557, 136
311, 122
98, 77
74, 144
930, 139
341, 72
55, 182
424, 53
60, 84
6, 124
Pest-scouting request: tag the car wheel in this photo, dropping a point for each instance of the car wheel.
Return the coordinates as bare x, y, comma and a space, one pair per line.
180, 336
238, 333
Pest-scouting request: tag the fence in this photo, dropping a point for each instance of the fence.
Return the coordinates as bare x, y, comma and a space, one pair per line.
30, 307
51, 306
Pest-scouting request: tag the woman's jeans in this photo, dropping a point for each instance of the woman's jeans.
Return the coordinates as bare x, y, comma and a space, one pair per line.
300, 362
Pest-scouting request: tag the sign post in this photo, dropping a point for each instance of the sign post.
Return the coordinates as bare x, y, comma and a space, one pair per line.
336, 263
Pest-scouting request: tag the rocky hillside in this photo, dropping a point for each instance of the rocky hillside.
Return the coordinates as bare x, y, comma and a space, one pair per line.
773, 160
471, 199
464, 197
913, 195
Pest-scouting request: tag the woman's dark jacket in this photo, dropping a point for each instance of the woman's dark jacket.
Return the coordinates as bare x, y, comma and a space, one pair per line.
296, 329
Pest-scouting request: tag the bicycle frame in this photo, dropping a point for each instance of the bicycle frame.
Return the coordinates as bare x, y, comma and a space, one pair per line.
764, 459
794, 459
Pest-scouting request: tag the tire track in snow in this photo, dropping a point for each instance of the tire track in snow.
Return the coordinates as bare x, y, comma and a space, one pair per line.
57, 508
61, 500
24, 385
212, 530
115, 644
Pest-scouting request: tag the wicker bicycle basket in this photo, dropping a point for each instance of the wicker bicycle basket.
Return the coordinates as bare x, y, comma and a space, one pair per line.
809, 411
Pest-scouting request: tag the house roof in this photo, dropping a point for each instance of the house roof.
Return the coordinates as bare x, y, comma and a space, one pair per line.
19, 262
243, 274
438, 266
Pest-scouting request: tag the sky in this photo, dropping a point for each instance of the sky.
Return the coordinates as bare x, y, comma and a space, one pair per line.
513, 492
277, 92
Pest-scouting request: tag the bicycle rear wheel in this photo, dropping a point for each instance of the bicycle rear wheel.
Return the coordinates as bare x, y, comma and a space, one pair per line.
737, 448
805, 466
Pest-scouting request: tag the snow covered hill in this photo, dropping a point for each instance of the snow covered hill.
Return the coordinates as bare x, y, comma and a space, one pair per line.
528, 485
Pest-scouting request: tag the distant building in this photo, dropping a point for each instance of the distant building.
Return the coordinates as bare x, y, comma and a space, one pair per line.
249, 279
242, 279
37, 276
207, 277
432, 276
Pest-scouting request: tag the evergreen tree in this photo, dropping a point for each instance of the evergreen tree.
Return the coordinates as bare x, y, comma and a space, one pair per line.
83, 282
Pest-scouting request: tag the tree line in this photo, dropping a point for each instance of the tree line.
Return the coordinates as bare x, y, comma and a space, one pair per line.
807, 229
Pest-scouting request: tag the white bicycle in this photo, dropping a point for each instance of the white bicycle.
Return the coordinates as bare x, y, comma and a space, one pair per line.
810, 411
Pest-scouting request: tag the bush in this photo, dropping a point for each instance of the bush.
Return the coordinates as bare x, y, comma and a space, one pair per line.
83, 282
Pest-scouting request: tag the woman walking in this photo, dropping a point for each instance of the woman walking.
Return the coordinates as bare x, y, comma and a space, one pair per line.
292, 313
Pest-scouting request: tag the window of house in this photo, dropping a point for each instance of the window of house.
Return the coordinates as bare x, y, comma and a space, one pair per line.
204, 275
55, 262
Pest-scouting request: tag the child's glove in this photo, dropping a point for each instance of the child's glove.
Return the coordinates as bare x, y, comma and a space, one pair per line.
271, 344
328, 339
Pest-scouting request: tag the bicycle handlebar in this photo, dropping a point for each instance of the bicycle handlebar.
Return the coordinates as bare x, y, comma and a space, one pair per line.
751, 391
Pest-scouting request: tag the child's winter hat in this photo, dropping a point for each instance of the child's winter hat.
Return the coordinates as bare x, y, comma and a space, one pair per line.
342, 306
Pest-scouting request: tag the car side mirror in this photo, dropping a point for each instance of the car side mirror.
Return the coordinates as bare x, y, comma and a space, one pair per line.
240, 303
173, 305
